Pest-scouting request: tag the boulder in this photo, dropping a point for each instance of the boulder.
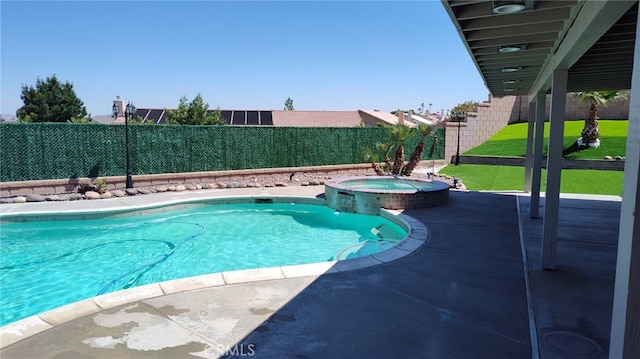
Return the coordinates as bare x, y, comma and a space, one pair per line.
106, 195
162, 189
131, 191
35, 198
180, 188
75, 197
118, 193
19, 199
92, 195
233, 184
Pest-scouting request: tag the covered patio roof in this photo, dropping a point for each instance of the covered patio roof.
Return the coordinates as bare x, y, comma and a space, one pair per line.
516, 53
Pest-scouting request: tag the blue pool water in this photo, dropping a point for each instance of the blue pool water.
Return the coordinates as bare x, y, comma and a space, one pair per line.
386, 184
46, 264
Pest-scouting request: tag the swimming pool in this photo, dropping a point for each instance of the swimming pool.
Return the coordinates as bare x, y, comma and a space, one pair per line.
46, 264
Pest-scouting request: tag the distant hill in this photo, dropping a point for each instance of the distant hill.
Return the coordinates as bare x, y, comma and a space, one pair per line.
102, 119
9, 117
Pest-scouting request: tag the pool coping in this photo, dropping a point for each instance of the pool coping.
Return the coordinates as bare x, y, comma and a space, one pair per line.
418, 235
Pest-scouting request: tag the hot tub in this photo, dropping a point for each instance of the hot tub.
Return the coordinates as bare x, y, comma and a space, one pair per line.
367, 195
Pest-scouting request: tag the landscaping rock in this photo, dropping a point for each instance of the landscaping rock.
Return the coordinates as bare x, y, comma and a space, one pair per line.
131, 191
281, 184
19, 199
75, 197
608, 158
304, 183
35, 198
64, 197
180, 188
618, 158
106, 195
314, 182
144, 190
118, 193
233, 184
162, 189
92, 195
222, 185
191, 187
52, 197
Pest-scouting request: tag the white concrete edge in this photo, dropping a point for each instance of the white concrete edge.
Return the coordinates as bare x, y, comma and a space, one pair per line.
14, 332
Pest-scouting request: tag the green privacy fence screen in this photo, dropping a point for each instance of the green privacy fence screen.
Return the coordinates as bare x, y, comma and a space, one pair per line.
35, 151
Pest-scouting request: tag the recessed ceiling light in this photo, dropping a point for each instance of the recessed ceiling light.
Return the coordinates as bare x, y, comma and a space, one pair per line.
511, 68
508, 8
510, 89
506, 82
510, 48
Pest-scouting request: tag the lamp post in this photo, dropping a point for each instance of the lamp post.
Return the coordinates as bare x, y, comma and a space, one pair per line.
459, 116
129, 111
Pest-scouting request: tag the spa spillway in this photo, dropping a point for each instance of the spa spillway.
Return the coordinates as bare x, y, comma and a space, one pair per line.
368, 194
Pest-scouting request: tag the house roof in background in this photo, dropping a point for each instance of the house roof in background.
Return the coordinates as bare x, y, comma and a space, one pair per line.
316, 118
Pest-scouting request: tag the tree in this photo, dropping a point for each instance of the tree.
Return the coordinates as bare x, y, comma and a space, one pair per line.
399, 133
50, 101
288, 104
195, 112
425, 131
590, 136
467, 106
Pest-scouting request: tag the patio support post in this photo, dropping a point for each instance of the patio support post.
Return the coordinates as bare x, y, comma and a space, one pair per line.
541, 105
625, 318
554, 168
528, 159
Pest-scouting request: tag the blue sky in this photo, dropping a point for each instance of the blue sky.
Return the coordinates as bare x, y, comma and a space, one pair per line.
325, 55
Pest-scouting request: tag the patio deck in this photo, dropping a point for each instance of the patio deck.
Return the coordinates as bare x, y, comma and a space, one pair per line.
465, 293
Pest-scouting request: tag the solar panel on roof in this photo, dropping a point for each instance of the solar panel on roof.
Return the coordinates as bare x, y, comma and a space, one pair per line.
266, 118
252, 118
238, 118
154, 115
226, 115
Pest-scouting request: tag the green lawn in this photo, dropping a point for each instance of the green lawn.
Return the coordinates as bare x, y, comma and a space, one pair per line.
512, 140
504, 178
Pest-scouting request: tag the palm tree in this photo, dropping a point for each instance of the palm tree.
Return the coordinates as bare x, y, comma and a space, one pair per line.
590, 134
425, 131
399, 133
370, 156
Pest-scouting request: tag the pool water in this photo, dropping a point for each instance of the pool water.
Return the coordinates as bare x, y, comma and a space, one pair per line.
46, 264
387, 184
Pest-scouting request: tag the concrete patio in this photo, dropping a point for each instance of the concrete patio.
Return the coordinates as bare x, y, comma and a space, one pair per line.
466, 293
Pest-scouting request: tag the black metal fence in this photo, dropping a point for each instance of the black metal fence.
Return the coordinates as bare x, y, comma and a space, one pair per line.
35, 151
